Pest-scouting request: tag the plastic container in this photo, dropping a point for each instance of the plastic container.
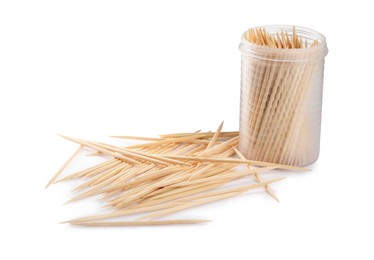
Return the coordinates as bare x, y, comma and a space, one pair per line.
281, 98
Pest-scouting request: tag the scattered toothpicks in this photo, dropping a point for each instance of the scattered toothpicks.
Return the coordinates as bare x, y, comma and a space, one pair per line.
165, 175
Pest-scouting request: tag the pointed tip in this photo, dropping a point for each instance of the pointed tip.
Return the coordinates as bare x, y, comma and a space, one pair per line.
71, 200
275, 197
106, 206
192, 176
82, 187
273, 180
61, 180
68, 138
78, 188
74, 221
65, 137
219, 129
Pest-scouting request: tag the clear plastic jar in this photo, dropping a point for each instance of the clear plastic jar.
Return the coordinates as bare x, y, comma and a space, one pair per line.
281, 98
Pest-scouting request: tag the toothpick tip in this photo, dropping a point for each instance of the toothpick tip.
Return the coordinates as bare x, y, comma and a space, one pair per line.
69, 201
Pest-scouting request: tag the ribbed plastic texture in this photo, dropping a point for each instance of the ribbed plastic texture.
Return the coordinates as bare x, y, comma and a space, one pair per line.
281, 99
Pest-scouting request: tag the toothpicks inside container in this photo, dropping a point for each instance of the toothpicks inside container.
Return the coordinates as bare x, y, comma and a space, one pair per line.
281, 94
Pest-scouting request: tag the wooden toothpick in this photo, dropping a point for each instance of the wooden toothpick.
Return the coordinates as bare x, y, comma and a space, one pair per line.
57, 174
142, 223
102, 150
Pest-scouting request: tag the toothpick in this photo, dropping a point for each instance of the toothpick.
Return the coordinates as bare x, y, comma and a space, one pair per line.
142, 223
168, 141
121, 213
206, 134
236, 161
210, 144
215, 136
104, 151
57, 174
138, 138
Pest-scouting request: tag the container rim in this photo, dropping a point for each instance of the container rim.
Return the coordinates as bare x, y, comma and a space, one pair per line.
291, 55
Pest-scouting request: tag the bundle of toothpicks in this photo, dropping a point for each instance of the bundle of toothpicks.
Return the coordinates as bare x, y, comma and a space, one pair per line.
279, 118
164, 175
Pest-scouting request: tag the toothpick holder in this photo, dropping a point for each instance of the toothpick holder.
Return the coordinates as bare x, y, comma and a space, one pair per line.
281, 97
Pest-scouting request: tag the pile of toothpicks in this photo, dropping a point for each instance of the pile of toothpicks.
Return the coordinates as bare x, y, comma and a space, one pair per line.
164, 175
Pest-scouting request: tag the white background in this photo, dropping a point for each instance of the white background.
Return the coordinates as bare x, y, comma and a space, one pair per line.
91, 69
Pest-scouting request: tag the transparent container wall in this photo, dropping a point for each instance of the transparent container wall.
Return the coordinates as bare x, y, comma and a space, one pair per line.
281, 100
